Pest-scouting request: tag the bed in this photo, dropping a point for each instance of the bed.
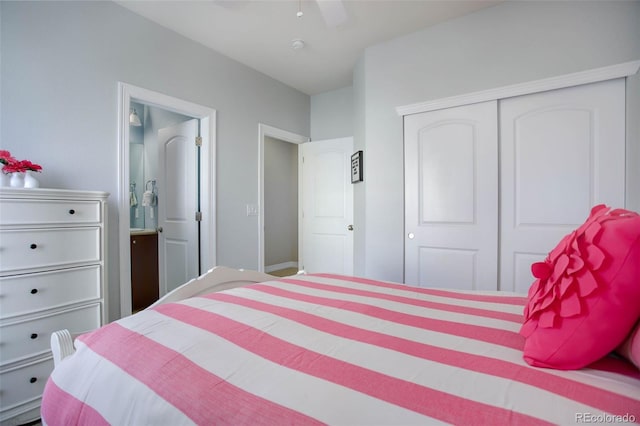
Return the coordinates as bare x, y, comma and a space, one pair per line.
235, 347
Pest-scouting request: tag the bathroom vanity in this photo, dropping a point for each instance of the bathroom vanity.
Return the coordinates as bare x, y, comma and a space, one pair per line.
144, 268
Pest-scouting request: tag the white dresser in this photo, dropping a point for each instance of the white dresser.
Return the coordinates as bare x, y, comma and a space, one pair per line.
52, 277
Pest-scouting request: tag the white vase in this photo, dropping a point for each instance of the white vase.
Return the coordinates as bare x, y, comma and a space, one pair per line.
17, 180
5, 179
30, 181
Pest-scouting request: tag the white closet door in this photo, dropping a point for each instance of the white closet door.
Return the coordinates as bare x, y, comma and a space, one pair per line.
451, 197
562, 152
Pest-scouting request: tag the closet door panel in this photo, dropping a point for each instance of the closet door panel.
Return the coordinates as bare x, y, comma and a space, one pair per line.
451, 190
552, 155
521, 262
562, 152
446, 160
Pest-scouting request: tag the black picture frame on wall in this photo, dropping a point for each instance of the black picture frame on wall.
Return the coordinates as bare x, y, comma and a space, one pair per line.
356, 167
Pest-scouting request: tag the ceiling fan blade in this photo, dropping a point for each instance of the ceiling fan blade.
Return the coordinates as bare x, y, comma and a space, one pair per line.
333, 12
231, 4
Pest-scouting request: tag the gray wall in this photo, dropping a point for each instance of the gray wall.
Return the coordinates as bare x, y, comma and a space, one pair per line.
332, 114
61, 62
280, 201
510, 43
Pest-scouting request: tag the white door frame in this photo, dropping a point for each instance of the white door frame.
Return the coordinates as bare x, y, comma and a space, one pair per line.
284, 135
207, 116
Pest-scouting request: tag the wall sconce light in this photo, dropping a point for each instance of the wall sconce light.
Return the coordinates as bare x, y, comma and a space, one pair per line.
134, 120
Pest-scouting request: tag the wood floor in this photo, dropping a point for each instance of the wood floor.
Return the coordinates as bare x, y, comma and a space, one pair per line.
284, 272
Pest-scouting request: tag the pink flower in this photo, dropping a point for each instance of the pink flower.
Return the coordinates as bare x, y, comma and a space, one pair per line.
28, 165
11, 165
5, 157
567, 275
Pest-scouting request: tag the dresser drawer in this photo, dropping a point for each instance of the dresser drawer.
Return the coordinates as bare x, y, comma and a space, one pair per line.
22, 294
20, 385
43, 212
48, 248
22, 339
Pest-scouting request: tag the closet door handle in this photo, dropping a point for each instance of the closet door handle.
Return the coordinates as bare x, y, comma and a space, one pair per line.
34, 336
72, 211
34, 290
33, 246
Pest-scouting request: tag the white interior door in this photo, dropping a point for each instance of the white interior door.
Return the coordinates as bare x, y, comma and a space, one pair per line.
178, 253
327, 204
451, 197
562, 152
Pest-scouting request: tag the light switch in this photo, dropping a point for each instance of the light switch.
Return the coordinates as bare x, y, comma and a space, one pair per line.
253, 210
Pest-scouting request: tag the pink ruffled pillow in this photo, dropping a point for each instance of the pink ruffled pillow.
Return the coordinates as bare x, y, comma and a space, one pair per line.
630, 348
586, 298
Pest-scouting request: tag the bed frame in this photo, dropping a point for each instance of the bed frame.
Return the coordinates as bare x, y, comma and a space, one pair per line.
217, 279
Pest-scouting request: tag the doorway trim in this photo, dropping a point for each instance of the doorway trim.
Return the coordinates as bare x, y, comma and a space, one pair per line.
265, 131
207, 117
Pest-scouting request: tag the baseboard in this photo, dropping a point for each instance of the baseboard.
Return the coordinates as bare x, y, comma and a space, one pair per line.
277, 267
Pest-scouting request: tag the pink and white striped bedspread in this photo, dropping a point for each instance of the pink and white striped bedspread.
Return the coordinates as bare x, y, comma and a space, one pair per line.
328, 349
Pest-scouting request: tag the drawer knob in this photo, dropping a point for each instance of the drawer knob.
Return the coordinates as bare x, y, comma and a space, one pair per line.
33, 246
34, 336
33, 380
72, 211
34, 290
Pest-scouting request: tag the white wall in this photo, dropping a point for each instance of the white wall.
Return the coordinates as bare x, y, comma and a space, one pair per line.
280, 201
61, 62
506, 44
359, 189
332, 114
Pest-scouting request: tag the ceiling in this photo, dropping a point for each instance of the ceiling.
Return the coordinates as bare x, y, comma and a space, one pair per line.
260, 33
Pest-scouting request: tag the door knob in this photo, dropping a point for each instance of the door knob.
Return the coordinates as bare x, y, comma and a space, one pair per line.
159, 229
411, 236
350, 227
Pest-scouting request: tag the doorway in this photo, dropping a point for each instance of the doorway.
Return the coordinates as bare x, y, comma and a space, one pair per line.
129, 95
163, 176
281, 207
266, 134
325, 234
